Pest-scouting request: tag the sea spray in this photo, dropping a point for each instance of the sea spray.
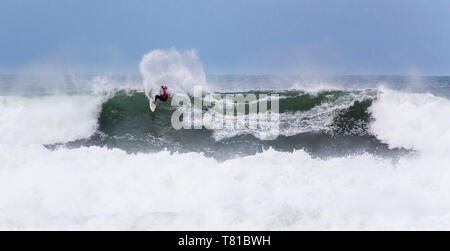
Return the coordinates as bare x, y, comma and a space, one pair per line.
179, 71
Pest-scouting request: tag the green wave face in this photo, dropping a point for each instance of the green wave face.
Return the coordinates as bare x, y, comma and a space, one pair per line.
301, 101
321, 123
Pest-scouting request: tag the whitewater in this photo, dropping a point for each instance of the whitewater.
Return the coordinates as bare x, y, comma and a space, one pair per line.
67, 163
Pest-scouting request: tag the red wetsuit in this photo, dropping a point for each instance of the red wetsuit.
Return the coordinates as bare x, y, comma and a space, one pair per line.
164, 96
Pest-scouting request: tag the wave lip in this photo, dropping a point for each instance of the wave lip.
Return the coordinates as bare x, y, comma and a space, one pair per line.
47, 119
410, 120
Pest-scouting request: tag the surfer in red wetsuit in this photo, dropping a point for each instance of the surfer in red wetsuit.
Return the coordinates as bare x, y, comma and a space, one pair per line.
163, 96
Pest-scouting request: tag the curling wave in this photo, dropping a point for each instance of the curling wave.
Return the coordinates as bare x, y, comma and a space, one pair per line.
93, 182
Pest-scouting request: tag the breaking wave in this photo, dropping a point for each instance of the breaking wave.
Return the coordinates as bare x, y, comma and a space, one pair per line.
363, 159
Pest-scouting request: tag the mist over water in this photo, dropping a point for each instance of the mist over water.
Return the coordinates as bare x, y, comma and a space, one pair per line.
179, 70
354, 152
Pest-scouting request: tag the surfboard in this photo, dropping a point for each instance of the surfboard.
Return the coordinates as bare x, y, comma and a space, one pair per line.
152, 106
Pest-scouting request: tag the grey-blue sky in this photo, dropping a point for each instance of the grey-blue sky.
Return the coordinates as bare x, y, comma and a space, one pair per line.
233, 36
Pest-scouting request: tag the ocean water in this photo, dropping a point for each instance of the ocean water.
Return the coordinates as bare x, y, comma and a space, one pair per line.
354, 153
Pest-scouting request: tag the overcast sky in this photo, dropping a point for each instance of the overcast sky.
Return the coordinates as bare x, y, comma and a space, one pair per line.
231, 37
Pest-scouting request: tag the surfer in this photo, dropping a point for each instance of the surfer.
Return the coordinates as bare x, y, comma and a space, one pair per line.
163, 94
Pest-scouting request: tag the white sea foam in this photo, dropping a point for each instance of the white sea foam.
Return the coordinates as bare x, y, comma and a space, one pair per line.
97, 188
412, 120
48, 119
